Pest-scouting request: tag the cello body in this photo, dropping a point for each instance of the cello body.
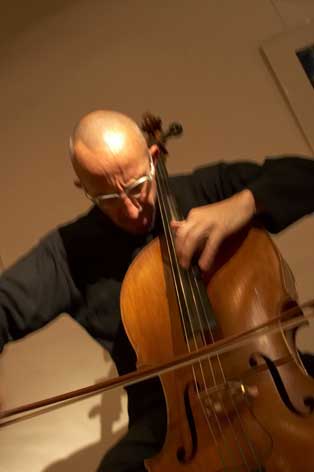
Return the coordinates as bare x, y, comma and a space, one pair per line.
214, 424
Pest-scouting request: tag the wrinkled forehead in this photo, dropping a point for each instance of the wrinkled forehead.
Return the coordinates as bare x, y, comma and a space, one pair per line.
126, 166
105, 170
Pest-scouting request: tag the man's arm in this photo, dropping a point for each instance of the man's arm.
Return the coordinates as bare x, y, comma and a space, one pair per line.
280, 191
207, 226
283, 189
35, 290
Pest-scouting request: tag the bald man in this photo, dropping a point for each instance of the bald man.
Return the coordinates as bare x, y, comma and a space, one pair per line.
78, 268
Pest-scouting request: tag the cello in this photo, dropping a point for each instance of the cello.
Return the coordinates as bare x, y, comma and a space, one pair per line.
214, 424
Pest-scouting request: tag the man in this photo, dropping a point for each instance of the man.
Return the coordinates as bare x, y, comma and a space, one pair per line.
79, 267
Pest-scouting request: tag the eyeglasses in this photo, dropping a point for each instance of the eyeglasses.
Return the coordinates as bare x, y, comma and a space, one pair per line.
132, 191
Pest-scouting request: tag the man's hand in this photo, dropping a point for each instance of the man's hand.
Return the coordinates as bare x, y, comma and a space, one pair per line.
207, 226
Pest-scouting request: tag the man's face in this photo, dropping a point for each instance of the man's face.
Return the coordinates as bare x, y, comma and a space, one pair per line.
133, 209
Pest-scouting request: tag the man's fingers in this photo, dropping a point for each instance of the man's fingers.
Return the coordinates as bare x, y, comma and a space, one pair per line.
209, 251
175, 224
193, 239
185, 246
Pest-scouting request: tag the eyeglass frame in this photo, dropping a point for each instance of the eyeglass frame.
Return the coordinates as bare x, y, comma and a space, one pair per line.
114, 197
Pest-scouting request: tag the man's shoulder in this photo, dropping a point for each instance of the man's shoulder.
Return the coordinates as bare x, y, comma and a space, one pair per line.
85, 225
198, 173
197, 187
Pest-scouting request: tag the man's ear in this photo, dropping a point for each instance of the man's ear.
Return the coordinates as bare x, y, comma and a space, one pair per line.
77, 183
155, 152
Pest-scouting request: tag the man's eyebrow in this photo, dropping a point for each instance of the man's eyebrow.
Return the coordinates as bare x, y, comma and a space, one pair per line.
114, 191
143, 174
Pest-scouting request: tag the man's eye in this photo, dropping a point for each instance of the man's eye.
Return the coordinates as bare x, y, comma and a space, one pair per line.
137, 190
109, 202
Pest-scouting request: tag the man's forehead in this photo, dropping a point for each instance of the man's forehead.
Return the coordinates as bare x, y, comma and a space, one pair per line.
128, 166
116, 152
118, 170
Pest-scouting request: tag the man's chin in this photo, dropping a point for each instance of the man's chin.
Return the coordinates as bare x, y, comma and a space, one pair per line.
140, 226
138, 229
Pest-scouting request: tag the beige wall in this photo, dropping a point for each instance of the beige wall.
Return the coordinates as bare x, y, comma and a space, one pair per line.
197, 62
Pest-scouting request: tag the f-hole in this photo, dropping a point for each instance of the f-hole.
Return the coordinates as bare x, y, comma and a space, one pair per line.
308, 401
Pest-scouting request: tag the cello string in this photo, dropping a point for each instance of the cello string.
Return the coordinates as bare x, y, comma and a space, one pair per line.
210, 405
160, 181
230, 422
193, 282
243, 430
197, 298
195, 342
247, 440
181, 273
166, 191
174, 263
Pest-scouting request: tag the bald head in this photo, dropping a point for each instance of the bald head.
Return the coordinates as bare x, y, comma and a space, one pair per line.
109, 154
107, 133
104, 141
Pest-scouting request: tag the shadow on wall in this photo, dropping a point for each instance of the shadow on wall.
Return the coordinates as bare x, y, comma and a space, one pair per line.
88, 458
